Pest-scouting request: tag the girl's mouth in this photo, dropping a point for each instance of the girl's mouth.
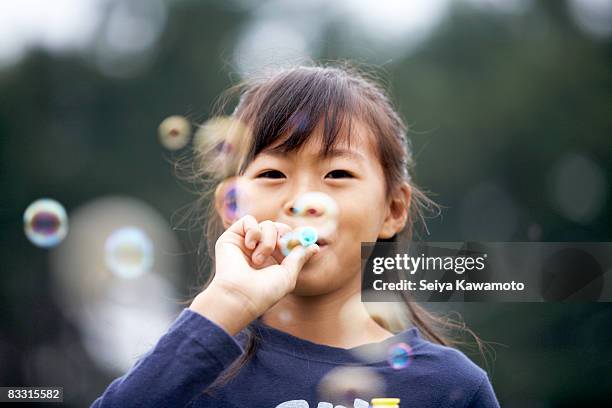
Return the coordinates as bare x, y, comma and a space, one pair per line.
322, 243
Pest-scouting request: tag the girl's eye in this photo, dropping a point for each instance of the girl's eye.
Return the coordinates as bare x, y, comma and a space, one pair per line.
339, 174
273, 174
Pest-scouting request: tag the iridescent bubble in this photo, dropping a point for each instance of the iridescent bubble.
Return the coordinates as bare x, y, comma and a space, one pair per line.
399, 356
232, 199
221, 143
350, 386
224, 147
174, 132
135, 312
456, 394
593, 16
578, 187
303, 236
391, 316
307, 236
45, 223
214, 134
315, 203
285, 316
231, 208
128, 252
318, 210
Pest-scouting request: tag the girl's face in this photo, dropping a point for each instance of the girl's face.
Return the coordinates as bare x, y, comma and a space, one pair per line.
352, 176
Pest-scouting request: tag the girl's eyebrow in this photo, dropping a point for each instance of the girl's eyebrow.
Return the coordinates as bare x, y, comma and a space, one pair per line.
351, 154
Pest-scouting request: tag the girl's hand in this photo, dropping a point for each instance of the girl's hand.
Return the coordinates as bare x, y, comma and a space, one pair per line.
251, 274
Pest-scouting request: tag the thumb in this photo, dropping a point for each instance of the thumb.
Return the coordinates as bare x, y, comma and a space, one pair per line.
294, 262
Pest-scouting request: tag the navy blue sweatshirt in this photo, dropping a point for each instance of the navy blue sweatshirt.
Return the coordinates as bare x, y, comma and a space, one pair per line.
285, 372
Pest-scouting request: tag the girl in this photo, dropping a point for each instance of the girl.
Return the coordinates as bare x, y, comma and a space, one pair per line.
271, 330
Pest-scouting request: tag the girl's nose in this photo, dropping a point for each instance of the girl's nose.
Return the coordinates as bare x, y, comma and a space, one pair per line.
307, 205
311, 210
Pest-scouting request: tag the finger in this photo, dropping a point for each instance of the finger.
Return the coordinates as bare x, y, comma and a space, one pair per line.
277, 253
251, 231
246, 228
241, 225
269, 236
283, 229
298, 257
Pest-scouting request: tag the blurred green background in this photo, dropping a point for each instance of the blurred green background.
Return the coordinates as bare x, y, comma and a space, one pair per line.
510, 108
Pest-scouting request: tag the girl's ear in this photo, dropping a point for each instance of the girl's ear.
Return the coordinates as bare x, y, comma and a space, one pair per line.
397, 212
222, 202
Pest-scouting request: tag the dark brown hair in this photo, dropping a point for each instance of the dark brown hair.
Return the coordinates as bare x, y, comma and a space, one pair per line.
291, 103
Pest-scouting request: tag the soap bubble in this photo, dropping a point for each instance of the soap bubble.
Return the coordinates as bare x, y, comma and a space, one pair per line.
221, 143
307, 236
349, 386
119, 319
128, 252
231, 200
45, 223
318, 210
234, 199
315, 203
391, 316
285, 316
304, 236
456, 394
231, 208
578, 188
217, 133
174, 132
399, 356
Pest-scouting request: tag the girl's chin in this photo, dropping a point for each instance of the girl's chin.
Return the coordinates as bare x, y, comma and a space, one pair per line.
317, 277
308, 287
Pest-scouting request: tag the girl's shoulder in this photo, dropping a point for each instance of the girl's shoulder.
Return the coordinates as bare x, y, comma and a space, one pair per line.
448, 358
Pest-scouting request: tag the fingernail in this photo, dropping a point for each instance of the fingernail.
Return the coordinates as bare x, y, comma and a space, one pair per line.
298, 250
259, 258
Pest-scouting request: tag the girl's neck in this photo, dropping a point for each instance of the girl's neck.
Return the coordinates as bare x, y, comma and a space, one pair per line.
336, 319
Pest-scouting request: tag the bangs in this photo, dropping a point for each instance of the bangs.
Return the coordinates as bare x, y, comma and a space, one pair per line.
286, 112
